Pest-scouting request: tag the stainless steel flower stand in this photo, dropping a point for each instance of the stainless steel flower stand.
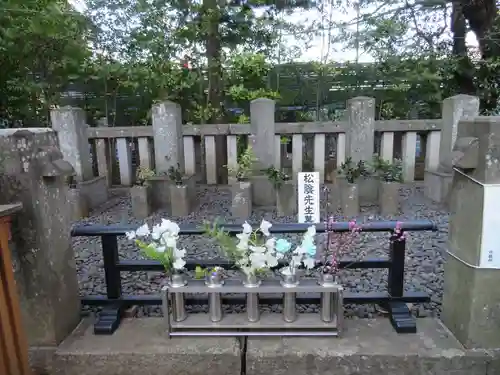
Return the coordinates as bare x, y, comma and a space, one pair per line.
327, 322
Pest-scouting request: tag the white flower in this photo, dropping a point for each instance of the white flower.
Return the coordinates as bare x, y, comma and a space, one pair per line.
271, 260
258, 249
258, 260
161, 249
247, 228
179, 253
300, 250
311, 231
130, 235
296, 260
142, 231
287, 271
308, 263
179, 264
156, 232
170, 226
243, 244
270, 244
264, 227
169, 240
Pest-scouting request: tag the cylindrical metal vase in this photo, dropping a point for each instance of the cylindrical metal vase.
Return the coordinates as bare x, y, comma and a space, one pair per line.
177, 298
289, 298
214, 280
327, 307
253, 312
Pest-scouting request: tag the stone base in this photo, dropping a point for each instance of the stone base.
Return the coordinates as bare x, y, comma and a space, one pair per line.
140, 197
286, 199
437, 185
140, 346
368, 190
180, 200
349, 199
389, 198
160, 191
241, 205
369, 347
263, 192
94, 191
78, 204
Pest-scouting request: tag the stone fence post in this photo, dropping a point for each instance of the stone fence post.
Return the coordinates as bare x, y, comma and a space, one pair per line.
360, 136
43, 259
471, 301
438, 180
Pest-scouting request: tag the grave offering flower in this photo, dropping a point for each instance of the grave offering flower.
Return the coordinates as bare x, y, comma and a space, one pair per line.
339, 244
160, 243
303, 254
252, 251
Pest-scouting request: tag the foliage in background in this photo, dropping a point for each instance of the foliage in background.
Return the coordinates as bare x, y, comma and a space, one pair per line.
142, 175
243, 169
276, 176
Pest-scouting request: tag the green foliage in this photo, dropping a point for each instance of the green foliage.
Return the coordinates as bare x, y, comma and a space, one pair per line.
243, 170
277, 177
143, 175
387, 171
226, 243
166, 258
349, 171
175, 174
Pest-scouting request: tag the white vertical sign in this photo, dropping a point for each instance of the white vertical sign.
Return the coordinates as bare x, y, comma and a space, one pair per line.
490, 239
308, 197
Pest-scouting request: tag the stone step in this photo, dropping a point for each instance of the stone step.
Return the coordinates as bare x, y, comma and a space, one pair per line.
369, 347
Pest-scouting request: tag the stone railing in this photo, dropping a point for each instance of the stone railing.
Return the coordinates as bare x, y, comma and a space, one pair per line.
117, 151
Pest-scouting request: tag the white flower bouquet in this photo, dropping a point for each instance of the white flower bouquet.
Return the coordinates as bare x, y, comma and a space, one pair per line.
303, 254
160, 243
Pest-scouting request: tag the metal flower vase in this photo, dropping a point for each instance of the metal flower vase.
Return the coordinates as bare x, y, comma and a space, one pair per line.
328, 303
252, 281
214, 280
177, 280
289, 298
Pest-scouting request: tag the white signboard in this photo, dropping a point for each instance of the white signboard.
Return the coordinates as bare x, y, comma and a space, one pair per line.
490, 239
308, 197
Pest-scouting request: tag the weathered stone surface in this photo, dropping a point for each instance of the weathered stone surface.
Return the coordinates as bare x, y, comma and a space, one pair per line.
141, 346
349, 199
241, 206
180, 200
471, 294
79, 207
286, 199
167, 135
369, 347
368, 190
141, 201
262, 126
360, 133
437, 185
160, 192
71, 127
389, 198
455, 108
44, 265
263, 192
94, 191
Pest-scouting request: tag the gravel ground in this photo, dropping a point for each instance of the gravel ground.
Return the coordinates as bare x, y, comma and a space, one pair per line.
424, 265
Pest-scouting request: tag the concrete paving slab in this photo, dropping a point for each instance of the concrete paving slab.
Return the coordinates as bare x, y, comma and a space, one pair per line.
369, 347
140, 346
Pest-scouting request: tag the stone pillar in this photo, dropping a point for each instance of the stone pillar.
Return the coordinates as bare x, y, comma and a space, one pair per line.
71, 127
43, 259
455, 108
263, 131
167, 135
262, 141
471, 300
361, 131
